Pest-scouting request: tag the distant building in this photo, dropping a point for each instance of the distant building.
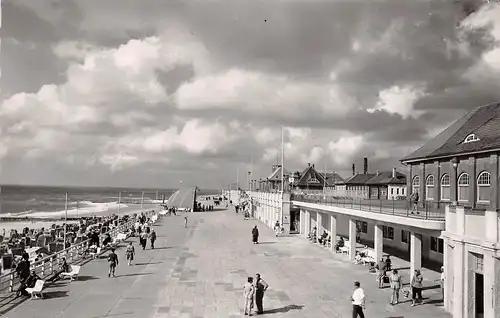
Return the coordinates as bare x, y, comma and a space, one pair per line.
273, 181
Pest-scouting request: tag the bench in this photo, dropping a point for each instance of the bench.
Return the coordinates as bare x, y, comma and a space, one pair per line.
369, 257
73, 275
119, 238
345, 249
37, 290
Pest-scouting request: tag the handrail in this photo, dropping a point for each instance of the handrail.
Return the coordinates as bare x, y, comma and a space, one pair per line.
72, 254
421, 210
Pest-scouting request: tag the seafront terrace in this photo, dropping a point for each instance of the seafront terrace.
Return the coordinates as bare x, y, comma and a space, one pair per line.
200, 272
422, 210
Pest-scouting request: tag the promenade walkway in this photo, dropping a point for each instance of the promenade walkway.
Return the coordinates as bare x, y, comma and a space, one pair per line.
200, 271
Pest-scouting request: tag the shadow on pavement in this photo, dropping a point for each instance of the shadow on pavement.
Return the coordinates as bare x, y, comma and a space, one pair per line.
267, 242
431, 287
164, 248
136, 274
284, 309
86, 278
151, 263
55, 294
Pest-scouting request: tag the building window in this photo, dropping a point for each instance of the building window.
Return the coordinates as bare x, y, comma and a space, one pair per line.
437, 245
392, 191
445, 187
463, 187
403, 191
405, 236
313, 180
416, 184
388, 232
362, 227
483, 187
477, 262
471, 138
429, 187
397, 191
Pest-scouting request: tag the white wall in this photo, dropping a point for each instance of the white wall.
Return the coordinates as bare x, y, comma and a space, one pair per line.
395, 191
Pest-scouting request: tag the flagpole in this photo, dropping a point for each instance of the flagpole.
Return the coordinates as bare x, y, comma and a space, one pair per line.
65, 219
77, 205
119, 199
324, 184
142, 198
282, 171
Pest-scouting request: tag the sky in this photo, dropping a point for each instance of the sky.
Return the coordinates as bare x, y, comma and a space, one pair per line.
151, 93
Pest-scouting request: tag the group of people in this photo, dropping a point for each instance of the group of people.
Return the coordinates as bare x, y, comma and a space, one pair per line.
254, 290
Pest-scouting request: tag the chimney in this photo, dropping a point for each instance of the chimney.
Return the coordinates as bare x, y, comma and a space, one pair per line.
394, 172
308, 164
365, 169
313, 165
353, 169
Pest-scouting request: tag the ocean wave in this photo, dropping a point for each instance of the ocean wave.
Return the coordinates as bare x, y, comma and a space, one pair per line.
89, 208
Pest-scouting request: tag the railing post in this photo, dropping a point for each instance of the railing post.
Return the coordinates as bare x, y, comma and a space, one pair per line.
11, 282
370, 204
380, 205
393, 212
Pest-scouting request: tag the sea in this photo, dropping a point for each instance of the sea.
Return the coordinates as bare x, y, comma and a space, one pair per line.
47, 201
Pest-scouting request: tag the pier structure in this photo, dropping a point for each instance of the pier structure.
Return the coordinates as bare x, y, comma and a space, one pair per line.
184, 198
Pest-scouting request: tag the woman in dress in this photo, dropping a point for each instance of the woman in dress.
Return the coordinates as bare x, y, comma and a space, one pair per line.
396, 285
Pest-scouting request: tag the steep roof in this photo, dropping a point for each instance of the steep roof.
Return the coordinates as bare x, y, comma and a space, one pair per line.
385, 178
359, 179
310, 171
333, 178
276, 174
483, 121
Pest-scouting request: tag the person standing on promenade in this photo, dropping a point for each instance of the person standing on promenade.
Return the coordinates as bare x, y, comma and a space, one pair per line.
249, 293
152, 237
113, 262
144, 239
130, 252
255, 235
396, 285
358, 301
260, 287
185, 221
416, 287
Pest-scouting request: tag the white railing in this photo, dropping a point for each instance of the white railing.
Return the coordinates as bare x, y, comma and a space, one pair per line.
50, 264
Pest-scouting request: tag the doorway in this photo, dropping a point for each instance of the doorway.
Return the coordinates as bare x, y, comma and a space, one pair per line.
479, 295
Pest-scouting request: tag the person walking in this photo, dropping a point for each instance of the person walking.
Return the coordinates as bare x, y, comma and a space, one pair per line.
152, 238
277, 228
144, 239
260, 287
185, 221
113, 262
130, 252
249, 294
381, 273
358, 301
396, 284
414, 202
255, 235
416, 287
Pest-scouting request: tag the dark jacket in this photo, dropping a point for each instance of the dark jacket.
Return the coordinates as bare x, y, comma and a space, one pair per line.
255, 232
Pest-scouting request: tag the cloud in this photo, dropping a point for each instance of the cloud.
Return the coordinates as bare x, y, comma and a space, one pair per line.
399, 100
263, 94
158, 92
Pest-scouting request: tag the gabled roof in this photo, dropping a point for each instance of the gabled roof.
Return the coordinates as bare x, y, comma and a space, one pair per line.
385, 178
484, 122
359, 179
276, 174
333, 178
310, 171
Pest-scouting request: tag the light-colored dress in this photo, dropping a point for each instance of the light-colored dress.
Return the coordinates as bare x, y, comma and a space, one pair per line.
248, 294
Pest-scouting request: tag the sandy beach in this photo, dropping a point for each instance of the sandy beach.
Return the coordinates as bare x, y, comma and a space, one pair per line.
36, 220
